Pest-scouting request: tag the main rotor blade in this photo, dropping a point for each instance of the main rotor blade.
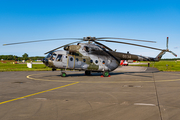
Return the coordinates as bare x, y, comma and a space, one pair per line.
44, 40
126, 39
62, 46
103, 46
131, 44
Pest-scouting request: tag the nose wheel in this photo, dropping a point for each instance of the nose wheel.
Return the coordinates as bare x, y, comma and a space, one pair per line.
63, 74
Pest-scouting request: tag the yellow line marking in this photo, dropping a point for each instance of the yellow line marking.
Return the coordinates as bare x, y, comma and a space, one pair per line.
37, 93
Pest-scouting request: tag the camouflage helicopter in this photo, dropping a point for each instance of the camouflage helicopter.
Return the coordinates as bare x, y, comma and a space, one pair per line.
92, 56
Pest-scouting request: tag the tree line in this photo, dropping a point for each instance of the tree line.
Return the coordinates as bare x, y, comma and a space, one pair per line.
24, 57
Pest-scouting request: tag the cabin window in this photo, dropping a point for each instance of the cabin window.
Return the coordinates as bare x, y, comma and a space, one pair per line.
59, 58
91, 61
71, 59
77, 59
103, 62
96, 61
84, 60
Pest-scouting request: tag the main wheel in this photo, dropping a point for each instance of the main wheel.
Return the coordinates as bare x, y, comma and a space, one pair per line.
105, 73
53, 69
87, 72
63, 74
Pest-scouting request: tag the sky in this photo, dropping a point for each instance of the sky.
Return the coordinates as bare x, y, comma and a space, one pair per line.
154, 20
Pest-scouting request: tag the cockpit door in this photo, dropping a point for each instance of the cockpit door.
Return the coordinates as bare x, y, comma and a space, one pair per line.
58, 61
61, 61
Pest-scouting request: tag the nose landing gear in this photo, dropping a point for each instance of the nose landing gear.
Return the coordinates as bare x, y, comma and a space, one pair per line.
63, 74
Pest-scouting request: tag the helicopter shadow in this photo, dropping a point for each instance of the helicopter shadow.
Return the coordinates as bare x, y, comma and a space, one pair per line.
148, 70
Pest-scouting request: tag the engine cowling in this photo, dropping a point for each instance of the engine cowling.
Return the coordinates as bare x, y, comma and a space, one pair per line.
72, 48
66, 48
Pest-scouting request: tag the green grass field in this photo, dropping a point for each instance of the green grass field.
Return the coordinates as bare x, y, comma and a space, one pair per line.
164, 65
9, 66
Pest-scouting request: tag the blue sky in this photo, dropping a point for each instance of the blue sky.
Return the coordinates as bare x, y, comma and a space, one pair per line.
139, 19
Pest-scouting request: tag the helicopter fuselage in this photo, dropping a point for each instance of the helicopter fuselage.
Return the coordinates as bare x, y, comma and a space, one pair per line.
87, 57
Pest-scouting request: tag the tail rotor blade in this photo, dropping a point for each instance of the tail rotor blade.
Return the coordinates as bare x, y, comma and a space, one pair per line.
167, 43
173, 53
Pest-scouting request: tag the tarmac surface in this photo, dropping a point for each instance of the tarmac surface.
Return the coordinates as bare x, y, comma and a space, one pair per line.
130, 93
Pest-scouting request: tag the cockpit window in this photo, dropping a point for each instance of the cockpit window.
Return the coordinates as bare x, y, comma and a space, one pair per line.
59, 57
53, 57
49, 55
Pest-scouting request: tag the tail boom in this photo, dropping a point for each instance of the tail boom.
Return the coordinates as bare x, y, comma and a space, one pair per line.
159, 56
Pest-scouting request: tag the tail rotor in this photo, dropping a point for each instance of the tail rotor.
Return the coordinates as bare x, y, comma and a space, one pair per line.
167, 49
159, 56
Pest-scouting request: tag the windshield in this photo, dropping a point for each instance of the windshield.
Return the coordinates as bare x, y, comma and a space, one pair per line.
49, 55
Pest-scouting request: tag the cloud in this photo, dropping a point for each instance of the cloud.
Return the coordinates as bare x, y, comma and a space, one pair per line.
176, 47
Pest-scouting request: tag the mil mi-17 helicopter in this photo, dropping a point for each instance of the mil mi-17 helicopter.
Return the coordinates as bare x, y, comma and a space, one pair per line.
92, 57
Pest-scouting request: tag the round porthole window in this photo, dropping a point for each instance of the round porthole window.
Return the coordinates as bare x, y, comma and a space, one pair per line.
96, 61
77, 59
91, 61
103, 62
71, 59
84, 60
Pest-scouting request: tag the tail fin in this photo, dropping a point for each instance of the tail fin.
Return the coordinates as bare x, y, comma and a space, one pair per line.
159, 56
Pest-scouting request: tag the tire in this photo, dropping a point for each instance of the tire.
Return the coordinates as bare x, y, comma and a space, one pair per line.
105, 73
63, 74
53, 69
87, 72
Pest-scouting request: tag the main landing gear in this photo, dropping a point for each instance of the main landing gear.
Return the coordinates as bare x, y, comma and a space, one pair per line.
88, 73
106, 74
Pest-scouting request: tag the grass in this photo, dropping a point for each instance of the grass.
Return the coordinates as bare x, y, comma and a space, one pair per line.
163, 65
9, 66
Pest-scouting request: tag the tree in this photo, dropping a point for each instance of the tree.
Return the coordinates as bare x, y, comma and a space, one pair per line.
25, 56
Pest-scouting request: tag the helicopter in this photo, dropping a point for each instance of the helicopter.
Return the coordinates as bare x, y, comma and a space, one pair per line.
92, 56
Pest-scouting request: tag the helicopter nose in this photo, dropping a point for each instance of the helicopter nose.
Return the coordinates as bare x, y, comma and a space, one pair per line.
45, 61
